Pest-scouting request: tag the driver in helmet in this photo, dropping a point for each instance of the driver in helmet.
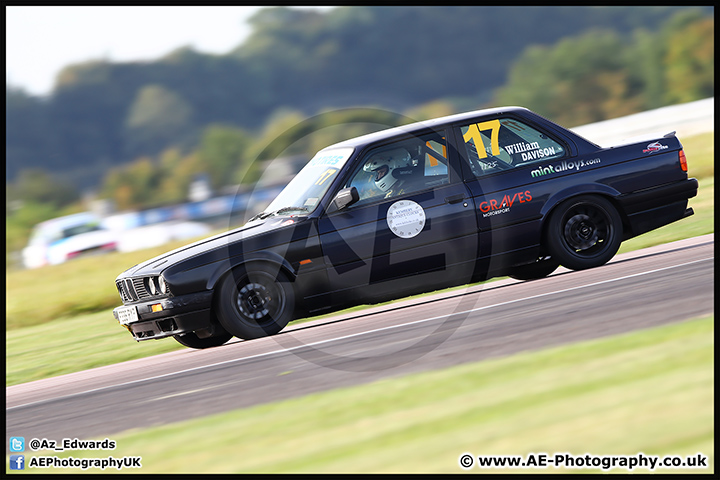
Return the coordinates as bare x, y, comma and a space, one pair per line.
391, 170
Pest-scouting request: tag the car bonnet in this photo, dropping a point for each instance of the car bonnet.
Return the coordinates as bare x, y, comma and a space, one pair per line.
157, 264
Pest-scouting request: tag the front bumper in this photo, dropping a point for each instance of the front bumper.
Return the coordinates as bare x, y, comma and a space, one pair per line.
172, 316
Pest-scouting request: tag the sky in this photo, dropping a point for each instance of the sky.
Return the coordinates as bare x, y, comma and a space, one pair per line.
41, 41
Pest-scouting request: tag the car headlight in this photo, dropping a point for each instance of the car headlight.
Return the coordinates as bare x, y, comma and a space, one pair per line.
162, 284
152, 286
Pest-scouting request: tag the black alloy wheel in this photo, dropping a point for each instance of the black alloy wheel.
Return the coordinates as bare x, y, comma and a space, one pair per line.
584, 232
254, 303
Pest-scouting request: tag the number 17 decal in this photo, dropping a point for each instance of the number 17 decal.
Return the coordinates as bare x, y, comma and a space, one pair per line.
473, 134
326, 174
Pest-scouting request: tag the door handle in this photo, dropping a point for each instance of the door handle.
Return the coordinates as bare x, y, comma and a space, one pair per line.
455, 198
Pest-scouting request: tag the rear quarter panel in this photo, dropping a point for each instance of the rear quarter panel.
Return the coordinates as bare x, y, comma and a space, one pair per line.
531, 192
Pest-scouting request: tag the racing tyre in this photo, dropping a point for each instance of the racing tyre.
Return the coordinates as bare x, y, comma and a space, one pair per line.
534, 271
193, 341
584, 232
255, 302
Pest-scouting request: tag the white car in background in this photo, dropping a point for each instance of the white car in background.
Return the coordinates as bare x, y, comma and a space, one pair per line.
60, 239
155, 235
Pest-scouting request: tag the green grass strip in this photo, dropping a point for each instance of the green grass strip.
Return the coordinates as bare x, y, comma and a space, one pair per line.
73, 345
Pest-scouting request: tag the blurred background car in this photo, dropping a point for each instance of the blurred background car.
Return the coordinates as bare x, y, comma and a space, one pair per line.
60, 239
159, 234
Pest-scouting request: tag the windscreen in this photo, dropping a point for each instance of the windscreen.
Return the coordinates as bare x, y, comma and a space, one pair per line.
305, 191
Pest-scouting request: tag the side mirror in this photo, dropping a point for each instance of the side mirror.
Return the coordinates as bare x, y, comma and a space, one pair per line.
344, 198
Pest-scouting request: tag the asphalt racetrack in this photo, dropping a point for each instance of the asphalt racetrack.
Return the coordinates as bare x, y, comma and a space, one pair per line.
655, 286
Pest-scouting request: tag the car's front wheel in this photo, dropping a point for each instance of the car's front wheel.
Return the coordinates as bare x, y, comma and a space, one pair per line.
584, 232
254, 302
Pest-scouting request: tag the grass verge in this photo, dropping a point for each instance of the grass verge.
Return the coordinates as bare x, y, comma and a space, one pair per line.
649, 391
72, 345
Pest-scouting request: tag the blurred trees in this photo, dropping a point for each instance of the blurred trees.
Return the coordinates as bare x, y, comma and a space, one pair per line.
223, 153
580, 80
38, 186
230, 155
601, 74
149, 181
690, 62
28, 132
158, 117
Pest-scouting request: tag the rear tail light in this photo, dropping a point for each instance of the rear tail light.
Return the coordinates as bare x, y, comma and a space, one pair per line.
683, 160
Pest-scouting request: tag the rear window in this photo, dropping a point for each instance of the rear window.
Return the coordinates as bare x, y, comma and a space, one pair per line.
505, 143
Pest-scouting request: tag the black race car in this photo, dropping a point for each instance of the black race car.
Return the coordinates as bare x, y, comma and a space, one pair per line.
407, 210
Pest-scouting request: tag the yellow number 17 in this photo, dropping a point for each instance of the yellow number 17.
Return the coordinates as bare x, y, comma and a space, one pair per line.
327, 174
473, 134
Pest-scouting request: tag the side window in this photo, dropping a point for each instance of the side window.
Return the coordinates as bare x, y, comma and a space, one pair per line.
505, 143
400, 168
435, 159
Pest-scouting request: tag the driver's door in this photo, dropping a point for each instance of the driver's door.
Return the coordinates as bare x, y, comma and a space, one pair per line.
420, 237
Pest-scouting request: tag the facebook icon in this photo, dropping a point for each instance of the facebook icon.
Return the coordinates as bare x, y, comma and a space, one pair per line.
17, 462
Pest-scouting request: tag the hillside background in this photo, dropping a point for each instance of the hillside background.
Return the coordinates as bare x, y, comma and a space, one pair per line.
138, 133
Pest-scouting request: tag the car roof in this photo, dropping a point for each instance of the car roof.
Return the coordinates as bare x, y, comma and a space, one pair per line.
361, 141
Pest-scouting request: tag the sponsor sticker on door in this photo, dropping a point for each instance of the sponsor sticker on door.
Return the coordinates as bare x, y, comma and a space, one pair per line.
406, 218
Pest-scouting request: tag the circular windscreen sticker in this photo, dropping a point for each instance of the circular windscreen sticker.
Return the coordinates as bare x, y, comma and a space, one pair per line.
406, 218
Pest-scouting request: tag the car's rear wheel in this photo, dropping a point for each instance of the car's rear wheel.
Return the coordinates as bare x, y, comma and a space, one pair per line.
255, 302
193, 341
584, 232
533, 271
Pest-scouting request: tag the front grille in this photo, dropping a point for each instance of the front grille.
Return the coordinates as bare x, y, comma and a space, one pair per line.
132, 290
136, 289
123, 291
140, 290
